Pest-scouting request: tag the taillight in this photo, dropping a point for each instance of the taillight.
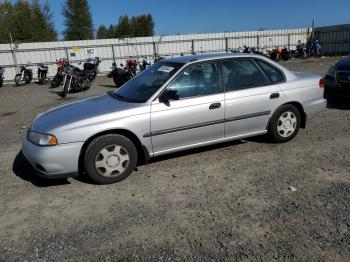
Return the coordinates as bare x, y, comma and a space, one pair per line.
321, 84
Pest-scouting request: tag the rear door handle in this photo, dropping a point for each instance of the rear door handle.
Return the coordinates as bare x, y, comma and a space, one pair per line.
274, 95
215, 106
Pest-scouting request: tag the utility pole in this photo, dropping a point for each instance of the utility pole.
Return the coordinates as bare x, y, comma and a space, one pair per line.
13, 51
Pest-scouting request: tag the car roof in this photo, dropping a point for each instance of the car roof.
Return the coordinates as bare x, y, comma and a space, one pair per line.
204, 57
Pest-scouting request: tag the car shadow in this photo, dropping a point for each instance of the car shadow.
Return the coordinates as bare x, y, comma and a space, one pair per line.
22, 169
340, 103
195, 151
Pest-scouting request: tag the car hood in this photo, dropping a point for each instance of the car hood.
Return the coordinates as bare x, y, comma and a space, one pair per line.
78, 111
343, 64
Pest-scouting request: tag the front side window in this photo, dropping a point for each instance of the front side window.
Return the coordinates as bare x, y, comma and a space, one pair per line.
145, 84
242, 74
198, 80
273, 73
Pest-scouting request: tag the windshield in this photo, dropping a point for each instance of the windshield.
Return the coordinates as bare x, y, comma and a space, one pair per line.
144, 85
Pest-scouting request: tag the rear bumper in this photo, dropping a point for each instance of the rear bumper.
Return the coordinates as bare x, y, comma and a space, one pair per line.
59, 161
312, 107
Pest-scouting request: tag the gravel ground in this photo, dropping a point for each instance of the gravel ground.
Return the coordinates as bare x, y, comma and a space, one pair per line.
225, 202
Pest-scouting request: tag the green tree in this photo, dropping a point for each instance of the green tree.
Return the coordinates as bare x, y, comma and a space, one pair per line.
78, 20
26, 22
43, 28
102, 32
142, 25
123, 28
50, 27
6, 14
111, 31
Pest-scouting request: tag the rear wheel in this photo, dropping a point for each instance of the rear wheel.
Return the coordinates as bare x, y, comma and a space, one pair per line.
110, 159
1, 81
285, 124
28, 78
55, 82
118, 81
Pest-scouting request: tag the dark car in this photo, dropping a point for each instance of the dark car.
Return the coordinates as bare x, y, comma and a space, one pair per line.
337, 79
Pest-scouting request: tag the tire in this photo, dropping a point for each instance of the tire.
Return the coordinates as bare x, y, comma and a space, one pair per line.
1, 81
118, 82
19, 81
110, 159
65, 88
28, 78
41, 81
55, 82
285, 124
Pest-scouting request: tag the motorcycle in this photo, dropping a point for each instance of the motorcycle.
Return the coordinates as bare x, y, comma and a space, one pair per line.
279, 53
120, 75
144, 64
300, 51
313, 48
25, 76
76, 80
91, 66
42, 73
2, 70
61, 72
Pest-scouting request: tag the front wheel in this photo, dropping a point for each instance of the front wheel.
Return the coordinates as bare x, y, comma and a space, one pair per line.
66, 87
285, 124
19, 80
110, 159
1, 81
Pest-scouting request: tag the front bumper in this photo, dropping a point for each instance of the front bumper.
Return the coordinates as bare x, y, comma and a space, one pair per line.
53, 161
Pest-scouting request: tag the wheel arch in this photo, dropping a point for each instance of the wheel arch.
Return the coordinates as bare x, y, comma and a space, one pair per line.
300, 108
142, 152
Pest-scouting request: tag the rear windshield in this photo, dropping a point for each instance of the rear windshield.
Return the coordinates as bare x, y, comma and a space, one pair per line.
145, 84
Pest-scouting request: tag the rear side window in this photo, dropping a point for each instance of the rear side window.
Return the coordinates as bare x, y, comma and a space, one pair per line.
242, 74
272, 72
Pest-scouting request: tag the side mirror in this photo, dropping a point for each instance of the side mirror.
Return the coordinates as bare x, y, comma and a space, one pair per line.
168, 95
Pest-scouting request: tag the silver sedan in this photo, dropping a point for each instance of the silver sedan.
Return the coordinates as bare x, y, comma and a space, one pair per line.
174, 105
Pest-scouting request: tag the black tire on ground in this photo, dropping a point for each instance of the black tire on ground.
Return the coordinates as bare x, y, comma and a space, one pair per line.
1, 81
93, 152
19, 81
65, 88
118, 81
55, 82
28, 78
41, 81
276, 135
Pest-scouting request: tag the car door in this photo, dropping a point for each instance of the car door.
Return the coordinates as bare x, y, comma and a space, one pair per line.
196, 117
251, 95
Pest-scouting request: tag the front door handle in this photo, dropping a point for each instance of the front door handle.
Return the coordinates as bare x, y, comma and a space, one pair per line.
274, 95
215, 106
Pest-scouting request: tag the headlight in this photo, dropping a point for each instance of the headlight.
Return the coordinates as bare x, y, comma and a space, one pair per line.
42, 139
331, 71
